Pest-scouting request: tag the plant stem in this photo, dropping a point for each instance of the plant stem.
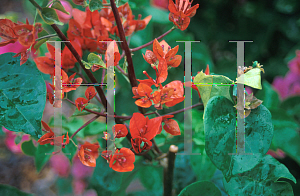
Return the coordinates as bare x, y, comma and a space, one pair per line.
149, 43
46, 36
35, 4
169, 171
98, 113
85, 124
131, 73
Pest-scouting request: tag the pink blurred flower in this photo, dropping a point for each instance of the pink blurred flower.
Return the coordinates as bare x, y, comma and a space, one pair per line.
287, 86
276, 154
294, 64
248, 90
60, 164
80, 171
79, 186
13, 47
10, 141
62, 16
161, 3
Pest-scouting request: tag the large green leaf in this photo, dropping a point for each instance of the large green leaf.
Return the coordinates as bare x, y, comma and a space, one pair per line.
212, 85
11, 191
152, 178
201, 164
42, 156
286, 136
49, 16
220, 136
262, 180
203, 188
105, 180
28, 148
22, 95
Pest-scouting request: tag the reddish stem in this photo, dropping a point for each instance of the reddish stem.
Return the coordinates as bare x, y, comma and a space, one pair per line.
149, 43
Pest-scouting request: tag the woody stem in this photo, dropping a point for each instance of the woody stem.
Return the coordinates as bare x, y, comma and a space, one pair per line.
131, 73
85, 124
149, 43
169, 171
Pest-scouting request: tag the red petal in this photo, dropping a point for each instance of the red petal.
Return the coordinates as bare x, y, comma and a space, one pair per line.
172, 127
153, 127
162, 70
175, 61
120, 130
90, 92
157, 49
171, 53
137, 122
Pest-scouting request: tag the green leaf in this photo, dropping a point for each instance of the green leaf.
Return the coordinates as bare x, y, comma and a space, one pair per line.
151, 177
292, 106
95, 5
268, 95
42, 156
49, 16
201, 164
262, 180
90, 106
95, 59
212, 85
10, 190
220, 136
127, 177
251, 78
40, 42
105, 180
70, 150
203, 188
94, 128
28, 148
22, 95
286, 136
58, 6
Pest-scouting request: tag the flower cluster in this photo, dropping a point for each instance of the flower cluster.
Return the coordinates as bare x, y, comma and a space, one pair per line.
81, 102
25, 34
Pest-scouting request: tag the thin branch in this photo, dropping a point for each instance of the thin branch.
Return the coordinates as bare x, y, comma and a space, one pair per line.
149, 43
169, 171
98, 113
131, 73
85, 124
46, 36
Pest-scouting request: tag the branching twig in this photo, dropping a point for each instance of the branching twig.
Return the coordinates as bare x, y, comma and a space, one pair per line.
149, 43
85, 124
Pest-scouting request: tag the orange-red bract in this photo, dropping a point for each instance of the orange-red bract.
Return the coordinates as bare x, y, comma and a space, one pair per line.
81, 103
90, 93
88, 153
122, 160
172, 127
120, 130
69, 83
49, 137
181, 12
144, 127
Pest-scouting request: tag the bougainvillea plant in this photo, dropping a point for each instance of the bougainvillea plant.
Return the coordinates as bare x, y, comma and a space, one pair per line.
98, 33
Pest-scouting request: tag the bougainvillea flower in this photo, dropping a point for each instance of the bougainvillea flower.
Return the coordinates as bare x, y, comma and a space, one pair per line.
107, 154
142, 91
136, 144
171, 126
67, 58
90, 93
63, 17
181, 12
88, 153
49, 137
119, 130
81, 103
150, 57
122, 160
165, 117
7, 32
112, 48
143, 128
69, 83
